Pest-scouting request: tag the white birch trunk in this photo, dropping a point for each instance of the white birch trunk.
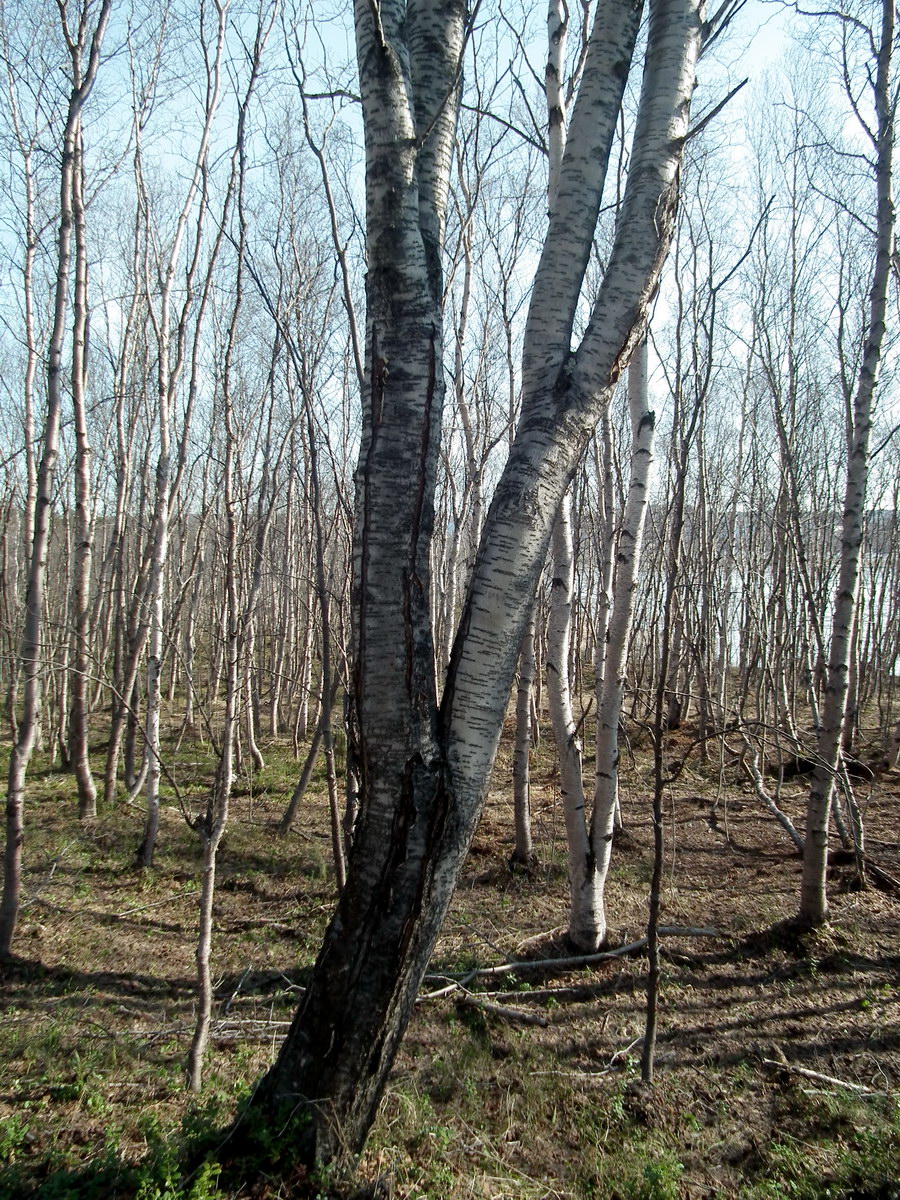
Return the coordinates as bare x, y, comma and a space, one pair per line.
30, 654
84, 522
628, 557
170, 365
813, 899
211, 825
523, 850
586, 928
584, 898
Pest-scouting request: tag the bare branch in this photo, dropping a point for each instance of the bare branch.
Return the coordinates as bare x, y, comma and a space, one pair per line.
714, 112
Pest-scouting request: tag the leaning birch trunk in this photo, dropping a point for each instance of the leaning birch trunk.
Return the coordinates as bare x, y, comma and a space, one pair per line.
628, 558
813, 908
424, 770
327, 707
30, 652
256, 755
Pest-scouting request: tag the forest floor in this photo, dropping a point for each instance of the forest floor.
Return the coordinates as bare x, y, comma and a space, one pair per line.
542, 1100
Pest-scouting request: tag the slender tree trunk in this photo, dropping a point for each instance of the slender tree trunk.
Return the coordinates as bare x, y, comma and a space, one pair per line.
813, 899
587, 925
628, 558
256, 755
523, 850
309, 765
605, 554
152, 743
239, 620
84, 523
190, 637
304, 682
328, 683
170, 365
83, 77
284, 634
211, 825
32, 238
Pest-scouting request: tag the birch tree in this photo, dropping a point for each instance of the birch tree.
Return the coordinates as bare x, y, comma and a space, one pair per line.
239, 611
84, 41
878, 135
84, 521
170, 330
423, 767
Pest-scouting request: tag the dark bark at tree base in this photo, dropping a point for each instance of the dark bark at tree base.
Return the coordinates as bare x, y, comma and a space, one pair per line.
345, 1034
523, 863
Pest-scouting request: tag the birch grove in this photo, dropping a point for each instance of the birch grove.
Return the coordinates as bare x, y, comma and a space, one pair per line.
368, 394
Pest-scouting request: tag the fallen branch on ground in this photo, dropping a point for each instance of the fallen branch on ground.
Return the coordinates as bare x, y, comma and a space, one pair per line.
580, 960
501, 1010
807, 1074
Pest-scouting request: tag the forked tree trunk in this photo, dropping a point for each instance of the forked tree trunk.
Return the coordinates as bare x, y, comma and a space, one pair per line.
590, 842
585, 897
424, 770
